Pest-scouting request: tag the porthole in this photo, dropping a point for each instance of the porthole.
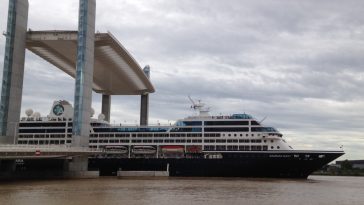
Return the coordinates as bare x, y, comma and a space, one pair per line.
278, 147
271, 147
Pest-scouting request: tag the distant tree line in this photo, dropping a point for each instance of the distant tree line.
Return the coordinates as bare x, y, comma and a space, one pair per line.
346, 169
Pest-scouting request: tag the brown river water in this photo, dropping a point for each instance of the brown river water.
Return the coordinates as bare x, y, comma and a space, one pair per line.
316, 190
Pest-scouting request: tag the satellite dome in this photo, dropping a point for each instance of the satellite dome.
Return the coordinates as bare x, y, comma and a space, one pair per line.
36, 115
101, 117
29, 112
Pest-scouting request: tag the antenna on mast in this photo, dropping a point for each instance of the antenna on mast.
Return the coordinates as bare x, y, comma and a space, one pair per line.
200, 107
263, 119
194, 105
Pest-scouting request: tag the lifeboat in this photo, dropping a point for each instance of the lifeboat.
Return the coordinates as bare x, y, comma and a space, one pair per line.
116, 149
194, 149
144, 150
172, 149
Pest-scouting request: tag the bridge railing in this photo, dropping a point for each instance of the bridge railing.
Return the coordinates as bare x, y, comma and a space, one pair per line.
66, 148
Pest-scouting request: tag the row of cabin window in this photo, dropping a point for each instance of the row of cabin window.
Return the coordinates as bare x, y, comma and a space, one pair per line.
155, 140
146, 135
207, 148
235, 148
138, 135
173, 141
44, 136
146, 141
172, 135
240, 135
35, 142
214, 123
54, 130
173, 130
233, 141
48, 124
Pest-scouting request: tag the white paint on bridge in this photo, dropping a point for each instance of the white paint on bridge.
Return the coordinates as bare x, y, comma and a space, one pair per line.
15, 151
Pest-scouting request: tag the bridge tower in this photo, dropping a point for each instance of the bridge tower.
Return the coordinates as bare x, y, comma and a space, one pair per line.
144, 101
13, 73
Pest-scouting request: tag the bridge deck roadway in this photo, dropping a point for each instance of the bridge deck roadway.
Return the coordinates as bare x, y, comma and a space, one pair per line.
116, 72
44, 151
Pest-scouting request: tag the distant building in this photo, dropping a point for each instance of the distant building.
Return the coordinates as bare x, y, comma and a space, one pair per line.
358, 164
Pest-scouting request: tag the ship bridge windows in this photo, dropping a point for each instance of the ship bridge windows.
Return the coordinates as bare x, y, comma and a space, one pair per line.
263, 129
253, 122
226, 123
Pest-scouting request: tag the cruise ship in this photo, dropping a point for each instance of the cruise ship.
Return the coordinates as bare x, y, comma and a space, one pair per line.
236, 145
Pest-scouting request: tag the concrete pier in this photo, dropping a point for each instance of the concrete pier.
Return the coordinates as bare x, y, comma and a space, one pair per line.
144, 101
84, 73
106, 106
78, 167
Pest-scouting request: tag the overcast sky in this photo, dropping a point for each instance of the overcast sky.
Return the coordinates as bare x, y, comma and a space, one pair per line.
298, 63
